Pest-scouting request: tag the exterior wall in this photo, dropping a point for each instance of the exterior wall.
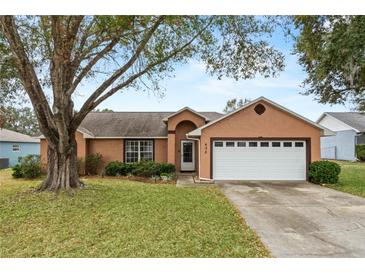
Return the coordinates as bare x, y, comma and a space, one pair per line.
273, 123
177, 133
160, 150
111, 149
333, 124
6, 151
340, 146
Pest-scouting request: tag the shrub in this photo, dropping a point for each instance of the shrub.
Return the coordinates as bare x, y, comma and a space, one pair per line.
28, 167
165, 168
117, 168
324, 172
17, 171
93, 163
360, 152
145, 169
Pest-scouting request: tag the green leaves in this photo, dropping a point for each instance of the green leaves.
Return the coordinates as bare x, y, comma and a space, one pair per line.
332, 51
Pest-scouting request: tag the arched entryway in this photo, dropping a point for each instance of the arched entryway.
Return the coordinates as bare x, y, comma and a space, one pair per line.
186, 157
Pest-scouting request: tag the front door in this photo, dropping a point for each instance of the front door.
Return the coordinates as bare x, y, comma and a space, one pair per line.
187, 155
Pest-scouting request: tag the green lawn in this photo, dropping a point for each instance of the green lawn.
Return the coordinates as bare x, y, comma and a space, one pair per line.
113, 218
352, 178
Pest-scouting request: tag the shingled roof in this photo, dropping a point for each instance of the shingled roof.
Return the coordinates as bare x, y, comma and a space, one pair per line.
355, 120
13, 136
131, 124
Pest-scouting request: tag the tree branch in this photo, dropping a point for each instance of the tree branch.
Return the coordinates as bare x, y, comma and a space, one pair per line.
92, 104
28, 77
147, 36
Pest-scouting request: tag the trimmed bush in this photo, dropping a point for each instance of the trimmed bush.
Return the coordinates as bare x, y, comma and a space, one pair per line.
324, 172
117, 168
360, 152
28, 167
166, 168
93, 163
143, 169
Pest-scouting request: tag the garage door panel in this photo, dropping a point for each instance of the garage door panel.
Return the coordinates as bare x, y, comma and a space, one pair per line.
259, 163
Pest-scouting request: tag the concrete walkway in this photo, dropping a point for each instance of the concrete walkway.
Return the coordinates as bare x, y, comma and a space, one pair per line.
301, 219
185, 180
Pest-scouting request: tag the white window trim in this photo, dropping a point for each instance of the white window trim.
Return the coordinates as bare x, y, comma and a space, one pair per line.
139, 149
16, 150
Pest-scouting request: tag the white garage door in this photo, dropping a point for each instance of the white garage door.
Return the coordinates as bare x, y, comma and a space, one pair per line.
259, 160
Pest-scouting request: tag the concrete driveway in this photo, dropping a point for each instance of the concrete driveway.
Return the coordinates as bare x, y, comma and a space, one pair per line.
301, 219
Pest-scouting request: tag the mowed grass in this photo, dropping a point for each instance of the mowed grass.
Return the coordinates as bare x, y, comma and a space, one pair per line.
352, 178
113, 218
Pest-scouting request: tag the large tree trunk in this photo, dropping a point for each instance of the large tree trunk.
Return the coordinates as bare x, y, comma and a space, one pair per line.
62, 167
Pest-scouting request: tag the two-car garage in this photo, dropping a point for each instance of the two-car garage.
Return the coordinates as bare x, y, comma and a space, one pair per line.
260, 141
259, 160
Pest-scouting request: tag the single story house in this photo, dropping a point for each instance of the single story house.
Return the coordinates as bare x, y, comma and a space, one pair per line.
14, 145
350, 131
259, 141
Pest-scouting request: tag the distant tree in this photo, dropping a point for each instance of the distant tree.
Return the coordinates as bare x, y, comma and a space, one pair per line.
103, 110
51, 57
234, 104
21, 120
332, 51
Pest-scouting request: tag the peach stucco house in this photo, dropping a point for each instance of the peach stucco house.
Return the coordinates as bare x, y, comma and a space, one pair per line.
259, 141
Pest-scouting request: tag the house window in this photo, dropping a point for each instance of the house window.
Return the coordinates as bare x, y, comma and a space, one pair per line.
252, 144
275, 144
138, 150
241, 144
16, 148
264, 144
229, 144
218, 144
287, 144
299, 144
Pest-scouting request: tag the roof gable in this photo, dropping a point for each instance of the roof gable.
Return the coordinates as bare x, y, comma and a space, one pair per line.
325, 131
186, 109
355, 120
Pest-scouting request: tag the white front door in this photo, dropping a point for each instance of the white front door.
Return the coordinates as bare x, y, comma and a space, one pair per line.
187, 155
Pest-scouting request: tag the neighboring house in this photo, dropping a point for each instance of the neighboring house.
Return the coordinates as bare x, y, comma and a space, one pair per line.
259, 141
349, 128
13, 145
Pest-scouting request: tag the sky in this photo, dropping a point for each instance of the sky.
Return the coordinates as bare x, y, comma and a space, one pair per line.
194, 88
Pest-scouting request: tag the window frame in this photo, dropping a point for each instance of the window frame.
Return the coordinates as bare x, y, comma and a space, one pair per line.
16, 150
267, 144
296, 144
287, 142
243, 143
253, 142
139, 151
232, 144
221, 144
276, 142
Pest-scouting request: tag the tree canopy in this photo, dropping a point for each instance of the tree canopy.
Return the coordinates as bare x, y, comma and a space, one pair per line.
234, 104
52, 58
332, 51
